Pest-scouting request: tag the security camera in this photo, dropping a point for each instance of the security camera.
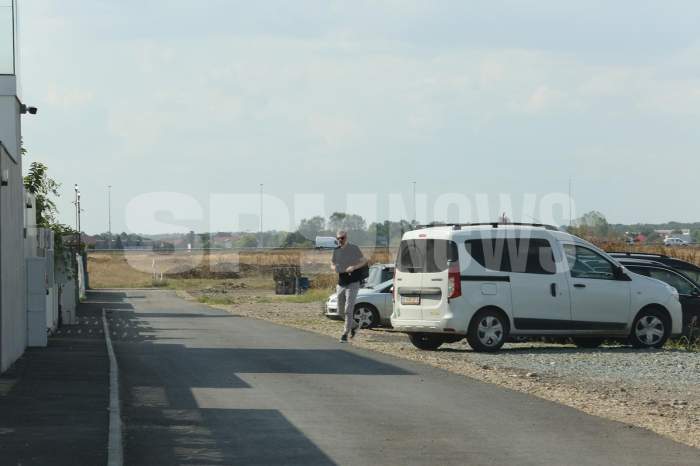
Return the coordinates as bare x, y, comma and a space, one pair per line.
23, 109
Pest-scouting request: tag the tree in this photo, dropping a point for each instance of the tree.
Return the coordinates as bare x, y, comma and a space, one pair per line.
38, 183
695, 235
310, 228
349, 222
247, 241
296, 239
592, 224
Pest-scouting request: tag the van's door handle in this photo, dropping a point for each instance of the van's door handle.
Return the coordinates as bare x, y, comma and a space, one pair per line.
553, 289
579, 285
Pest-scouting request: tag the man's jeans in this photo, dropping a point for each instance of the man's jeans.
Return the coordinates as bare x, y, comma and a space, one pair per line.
347, 295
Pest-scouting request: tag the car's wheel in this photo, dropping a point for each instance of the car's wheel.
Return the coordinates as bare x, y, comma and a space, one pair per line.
584, 342
366, 316
650, 329
426, 341
488, 331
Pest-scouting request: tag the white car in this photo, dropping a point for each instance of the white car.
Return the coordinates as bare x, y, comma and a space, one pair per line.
373, 306
492, 282
675, 242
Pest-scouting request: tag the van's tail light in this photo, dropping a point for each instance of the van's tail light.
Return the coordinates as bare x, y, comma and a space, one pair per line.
454, 282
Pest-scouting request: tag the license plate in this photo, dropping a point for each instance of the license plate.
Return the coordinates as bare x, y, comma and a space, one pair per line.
410, 299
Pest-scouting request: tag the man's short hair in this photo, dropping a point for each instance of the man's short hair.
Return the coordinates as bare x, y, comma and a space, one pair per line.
341, 233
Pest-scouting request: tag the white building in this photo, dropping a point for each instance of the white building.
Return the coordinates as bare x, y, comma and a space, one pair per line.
13, 310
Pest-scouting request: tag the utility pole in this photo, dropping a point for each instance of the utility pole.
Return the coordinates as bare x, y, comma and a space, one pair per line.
77, 215
260, 242
570, 212
415, 208
109, 215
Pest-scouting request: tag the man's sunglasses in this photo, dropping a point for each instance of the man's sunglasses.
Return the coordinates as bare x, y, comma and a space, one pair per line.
340, 238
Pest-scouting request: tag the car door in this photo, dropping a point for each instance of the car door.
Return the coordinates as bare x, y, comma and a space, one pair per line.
600, 296
539, 289
688, 293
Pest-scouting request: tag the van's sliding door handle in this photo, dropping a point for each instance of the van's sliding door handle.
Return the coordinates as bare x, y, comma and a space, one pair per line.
579, 285
553, 289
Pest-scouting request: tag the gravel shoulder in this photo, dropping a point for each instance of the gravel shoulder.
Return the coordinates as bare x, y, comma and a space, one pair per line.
655, 389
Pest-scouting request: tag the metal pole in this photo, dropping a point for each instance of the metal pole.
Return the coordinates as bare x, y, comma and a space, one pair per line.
77, 208
260, 242
109, 215
415, 208
570, 213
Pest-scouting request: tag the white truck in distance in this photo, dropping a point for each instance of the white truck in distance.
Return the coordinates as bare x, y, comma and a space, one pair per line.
326, 242
489, 282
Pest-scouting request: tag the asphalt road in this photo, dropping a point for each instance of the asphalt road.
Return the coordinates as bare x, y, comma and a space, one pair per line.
202, 386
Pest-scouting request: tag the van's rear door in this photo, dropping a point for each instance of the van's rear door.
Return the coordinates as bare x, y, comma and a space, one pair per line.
410, 263
422, 277
439, 254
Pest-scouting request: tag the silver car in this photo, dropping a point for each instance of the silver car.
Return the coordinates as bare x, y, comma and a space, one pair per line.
373, 307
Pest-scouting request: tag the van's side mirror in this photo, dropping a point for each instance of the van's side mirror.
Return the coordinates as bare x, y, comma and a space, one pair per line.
620, 273
695, 292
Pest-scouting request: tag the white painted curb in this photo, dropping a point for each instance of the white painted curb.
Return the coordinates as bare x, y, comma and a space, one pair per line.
115, 452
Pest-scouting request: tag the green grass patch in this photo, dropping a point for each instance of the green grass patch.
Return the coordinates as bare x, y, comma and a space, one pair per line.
311, 296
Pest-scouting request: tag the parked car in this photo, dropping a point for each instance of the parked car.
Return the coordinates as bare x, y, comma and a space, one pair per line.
675, 242
688, 289
379, 273
372, 308
493, 282
688, 268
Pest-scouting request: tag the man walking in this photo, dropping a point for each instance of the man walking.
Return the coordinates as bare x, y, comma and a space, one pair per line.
348, 262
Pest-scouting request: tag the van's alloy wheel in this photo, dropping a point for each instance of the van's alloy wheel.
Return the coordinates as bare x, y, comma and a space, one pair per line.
488, 331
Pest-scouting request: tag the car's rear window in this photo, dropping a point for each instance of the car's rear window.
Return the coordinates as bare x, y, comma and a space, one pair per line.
519, 255
426, 255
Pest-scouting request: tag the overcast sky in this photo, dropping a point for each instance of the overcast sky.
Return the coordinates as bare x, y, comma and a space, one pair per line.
345, 99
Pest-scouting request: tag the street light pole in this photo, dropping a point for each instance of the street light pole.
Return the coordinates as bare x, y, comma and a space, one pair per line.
109, 215
415, 208
260, 242
77, 215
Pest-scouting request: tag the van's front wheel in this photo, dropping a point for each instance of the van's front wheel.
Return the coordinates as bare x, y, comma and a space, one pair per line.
426, 341
488, 331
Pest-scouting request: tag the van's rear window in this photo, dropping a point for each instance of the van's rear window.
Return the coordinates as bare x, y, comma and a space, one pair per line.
426, 255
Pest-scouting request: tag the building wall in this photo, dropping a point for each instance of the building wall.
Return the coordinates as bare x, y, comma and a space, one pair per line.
13, 315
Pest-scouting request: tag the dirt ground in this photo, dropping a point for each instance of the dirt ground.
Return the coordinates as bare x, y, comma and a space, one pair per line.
672, 410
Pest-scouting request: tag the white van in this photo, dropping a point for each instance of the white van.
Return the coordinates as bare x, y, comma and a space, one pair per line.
490, 282
326, 242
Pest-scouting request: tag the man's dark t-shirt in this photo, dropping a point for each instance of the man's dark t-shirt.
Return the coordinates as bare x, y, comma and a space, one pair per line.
344, 258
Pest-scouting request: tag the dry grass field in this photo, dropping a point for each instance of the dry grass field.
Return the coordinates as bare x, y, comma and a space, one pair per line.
139, 269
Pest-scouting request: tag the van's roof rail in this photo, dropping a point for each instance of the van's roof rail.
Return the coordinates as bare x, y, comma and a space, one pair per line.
457, 226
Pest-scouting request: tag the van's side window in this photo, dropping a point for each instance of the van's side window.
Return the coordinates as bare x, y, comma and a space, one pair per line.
426, 255
519, 255
586, 263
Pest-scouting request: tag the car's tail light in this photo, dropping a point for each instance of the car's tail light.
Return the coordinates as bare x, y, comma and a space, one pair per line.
393, 288
454, 282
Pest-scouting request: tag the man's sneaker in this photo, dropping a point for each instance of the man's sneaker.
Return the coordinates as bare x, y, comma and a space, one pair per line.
344, 338
352, 333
